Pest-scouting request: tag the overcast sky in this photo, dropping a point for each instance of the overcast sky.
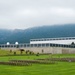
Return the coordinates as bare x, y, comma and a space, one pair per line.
22, 14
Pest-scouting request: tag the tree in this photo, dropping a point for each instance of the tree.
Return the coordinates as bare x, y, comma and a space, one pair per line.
21, 51
72, 43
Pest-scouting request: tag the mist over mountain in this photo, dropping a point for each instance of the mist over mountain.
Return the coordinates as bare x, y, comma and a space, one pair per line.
24, 36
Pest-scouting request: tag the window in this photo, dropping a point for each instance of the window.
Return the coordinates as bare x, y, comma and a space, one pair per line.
21, 45
28, 45
51, 45
43, 45
47, 45
56, 45
31, 45
0, 45
24, 45
14, 45
39, 45
17, 46
74, 46
6, 46
11, 45
67, 46
62, 45
35, 45
47, 39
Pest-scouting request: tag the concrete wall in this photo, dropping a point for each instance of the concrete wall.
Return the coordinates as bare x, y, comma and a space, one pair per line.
52, 50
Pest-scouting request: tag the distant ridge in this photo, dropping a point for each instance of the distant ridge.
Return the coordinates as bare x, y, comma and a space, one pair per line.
24, 36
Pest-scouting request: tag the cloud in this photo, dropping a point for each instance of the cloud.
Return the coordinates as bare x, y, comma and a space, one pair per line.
29, 13
65, 12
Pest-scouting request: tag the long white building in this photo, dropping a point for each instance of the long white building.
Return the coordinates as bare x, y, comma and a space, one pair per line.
45, 45
61, 40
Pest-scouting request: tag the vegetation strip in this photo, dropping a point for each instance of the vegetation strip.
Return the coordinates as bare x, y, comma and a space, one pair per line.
15, 63
60, 59
34, 61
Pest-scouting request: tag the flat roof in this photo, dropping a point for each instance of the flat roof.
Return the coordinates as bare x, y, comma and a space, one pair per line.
58, 38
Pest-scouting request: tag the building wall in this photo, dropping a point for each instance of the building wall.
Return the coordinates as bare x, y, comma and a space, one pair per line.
52, 50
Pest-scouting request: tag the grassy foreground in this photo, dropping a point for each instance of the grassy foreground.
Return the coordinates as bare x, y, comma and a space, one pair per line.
59, 68
39, 69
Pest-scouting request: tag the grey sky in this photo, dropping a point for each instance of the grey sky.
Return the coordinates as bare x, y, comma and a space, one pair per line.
29, 13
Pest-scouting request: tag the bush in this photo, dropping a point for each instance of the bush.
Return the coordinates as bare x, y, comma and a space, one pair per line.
37, 54
14, 53
10, 51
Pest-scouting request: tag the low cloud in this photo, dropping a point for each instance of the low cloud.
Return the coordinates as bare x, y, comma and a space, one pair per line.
29, 13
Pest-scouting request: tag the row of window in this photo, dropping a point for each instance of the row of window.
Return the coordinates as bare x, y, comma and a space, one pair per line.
52, 39
38, 45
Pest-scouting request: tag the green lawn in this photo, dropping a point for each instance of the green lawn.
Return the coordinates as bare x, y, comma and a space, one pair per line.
26, 57
59, 68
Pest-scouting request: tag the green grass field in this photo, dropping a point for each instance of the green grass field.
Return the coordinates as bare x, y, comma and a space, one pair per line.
59, 68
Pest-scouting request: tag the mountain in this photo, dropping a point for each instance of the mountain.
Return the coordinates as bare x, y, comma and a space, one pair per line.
24, 36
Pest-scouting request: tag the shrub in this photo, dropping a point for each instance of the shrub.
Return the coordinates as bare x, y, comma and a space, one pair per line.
37, 54
14, 53
10, 51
